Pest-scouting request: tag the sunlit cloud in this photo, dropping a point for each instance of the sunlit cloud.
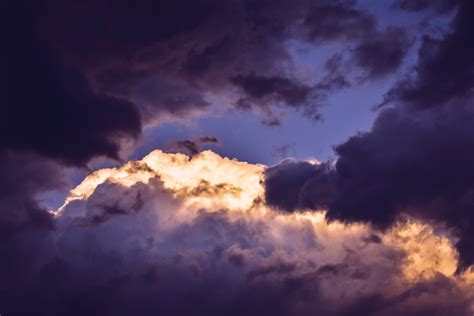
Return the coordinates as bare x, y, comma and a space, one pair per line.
169, 205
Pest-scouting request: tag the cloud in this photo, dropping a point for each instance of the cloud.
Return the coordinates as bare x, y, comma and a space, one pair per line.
441, 6
415, 160
50, 108
338, 21
192, 147
181, 235
162, 100
382, 53
285, 181
167, 58
205, 234
25, 227
107, 78
376, 52
24, 176
445, 68
264, 91
410, 162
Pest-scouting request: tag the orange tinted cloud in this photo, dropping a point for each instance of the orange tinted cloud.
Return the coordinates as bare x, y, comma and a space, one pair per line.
173, 206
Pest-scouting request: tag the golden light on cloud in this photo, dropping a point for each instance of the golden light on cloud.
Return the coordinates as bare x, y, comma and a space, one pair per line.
208, 184
426, 253
207, 179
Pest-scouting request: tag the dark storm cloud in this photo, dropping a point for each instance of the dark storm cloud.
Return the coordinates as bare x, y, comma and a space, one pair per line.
93, 32
23, 177
284, 183
382, 53
417, 157
265, 91
25, 227
414, 163
111, 67
50, 108
167, 56
282, 89
445, 68
338, 22
157, 97
377, 52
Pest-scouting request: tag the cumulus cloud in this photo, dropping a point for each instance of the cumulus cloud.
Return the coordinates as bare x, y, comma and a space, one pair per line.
194, 235
415, 160
410, 162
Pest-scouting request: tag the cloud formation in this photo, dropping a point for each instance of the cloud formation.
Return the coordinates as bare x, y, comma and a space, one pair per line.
441, 6
382, 53
415, 160
50, 107
180, 235
156, 60
410, 162
445, 68
385, 229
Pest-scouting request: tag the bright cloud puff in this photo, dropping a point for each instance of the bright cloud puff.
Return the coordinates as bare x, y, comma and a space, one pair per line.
174, 226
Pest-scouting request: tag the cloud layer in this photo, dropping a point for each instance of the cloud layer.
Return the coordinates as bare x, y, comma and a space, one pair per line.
415, 160
73, 66
185, 235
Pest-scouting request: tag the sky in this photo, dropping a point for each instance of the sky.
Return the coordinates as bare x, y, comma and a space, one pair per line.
241, 157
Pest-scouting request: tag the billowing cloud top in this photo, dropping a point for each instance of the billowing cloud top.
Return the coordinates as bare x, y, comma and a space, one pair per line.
195, 235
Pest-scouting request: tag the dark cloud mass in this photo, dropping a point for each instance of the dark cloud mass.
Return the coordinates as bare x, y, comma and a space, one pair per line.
50, 107
284, 183
165, 56
264, 91
417, 158
84, 75
445, 67
441, 6
413, 163
382, 53
25, 227
338, 22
